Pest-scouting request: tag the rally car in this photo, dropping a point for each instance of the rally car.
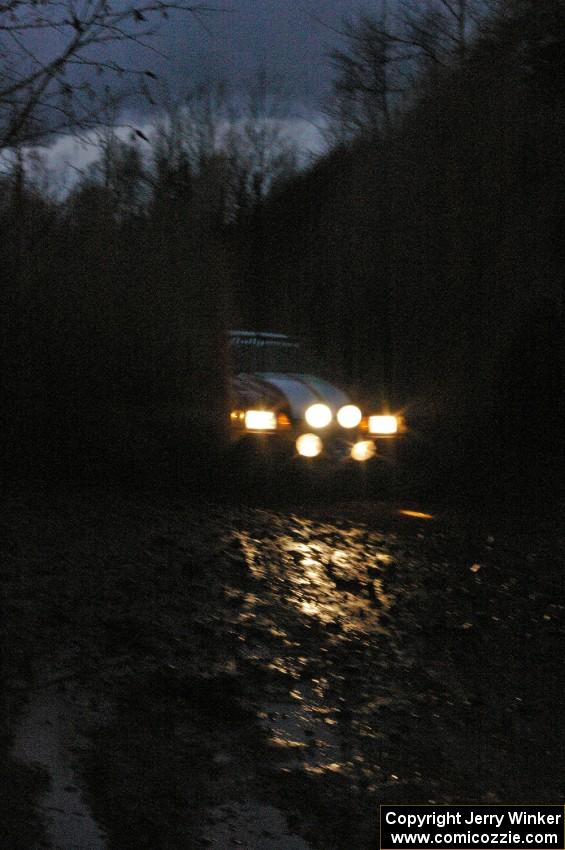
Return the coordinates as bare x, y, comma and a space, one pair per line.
278, 401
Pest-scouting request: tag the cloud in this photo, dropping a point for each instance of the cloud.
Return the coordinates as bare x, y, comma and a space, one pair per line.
60, 165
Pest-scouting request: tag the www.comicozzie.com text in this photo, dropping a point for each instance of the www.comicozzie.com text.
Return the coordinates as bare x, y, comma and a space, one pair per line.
480, 839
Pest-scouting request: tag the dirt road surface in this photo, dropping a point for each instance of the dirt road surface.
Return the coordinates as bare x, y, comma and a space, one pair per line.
207, 675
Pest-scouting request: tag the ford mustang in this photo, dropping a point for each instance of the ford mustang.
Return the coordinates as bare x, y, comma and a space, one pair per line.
278, 399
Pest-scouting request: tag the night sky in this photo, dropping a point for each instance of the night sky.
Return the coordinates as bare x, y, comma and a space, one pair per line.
289, 38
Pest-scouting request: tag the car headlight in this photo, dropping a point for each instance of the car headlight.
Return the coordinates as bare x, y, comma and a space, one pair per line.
260, 420
309, 445
349, 416
318, 415
383, 424
364, 450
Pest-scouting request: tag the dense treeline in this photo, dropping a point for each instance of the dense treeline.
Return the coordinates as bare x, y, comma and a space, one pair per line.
427, 258
115, 298
112, 327
423, 256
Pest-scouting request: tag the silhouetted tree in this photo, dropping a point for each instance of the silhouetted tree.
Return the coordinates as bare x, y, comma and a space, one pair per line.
389, 55
235, 141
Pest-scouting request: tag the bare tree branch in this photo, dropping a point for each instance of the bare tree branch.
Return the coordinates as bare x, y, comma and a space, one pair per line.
33, 80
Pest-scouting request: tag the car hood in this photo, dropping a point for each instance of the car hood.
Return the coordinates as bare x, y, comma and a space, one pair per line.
286, 390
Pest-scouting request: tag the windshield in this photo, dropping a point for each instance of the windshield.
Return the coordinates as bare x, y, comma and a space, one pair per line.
265, 352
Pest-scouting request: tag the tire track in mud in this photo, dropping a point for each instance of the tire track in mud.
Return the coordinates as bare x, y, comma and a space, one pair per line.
46, 736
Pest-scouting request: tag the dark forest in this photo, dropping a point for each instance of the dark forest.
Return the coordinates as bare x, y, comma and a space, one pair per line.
422, 255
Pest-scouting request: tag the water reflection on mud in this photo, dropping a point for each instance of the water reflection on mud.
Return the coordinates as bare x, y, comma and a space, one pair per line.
315, 618
334, 577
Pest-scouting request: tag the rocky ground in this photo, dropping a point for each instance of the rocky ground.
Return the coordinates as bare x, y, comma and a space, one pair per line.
263, 678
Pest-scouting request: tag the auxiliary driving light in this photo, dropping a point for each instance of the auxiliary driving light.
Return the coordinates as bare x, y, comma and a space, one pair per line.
309, 445
383, 424
363, 450
260, 420
318, 415
349, 416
